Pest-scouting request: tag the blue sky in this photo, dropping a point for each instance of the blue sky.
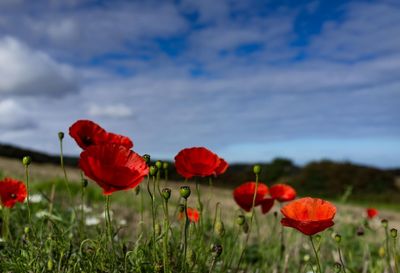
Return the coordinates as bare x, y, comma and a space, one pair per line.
251, 80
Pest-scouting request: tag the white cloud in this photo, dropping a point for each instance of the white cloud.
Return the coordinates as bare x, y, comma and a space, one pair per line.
29, 72
13, 116
110, 111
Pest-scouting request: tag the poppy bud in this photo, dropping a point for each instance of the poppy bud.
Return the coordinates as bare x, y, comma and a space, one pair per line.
158, 164
27, 160
306, 258
146, 158
181, 208
337, 267
165, 165
157, 229
385, 223
245, 227
338, 238
219, 228
166, 193
85, 182
240, 220
360, 231
60, 135
216, 250
26, 230
50, 265
137, 189
393, 233
381, 252
153, 170
184, 191
257, 169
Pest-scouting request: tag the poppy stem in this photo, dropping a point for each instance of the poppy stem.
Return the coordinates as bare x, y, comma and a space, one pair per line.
250, 226
166, 233
108, 220
396, 264
63, 168
341, 259
185, 235
28, 196
199, 203
6, 223
153, 215
316, 254
82, 225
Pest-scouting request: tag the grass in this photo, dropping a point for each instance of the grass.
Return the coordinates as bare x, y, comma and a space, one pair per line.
66, 240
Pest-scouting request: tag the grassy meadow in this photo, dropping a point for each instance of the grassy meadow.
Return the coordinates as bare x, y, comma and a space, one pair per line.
73, 238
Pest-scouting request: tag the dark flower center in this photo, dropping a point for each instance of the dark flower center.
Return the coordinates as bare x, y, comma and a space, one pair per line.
87, 140
13, 195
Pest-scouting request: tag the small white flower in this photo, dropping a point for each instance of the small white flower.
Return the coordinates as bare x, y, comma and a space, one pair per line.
86, 209
92, 221
122, 222
43, 213
35, 198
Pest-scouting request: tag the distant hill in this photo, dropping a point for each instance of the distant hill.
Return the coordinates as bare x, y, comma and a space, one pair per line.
11, 151
320, 178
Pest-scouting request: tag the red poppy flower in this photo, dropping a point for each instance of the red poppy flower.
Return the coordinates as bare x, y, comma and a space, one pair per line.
371, 212
193, 215
113, 167
87, 133
309, 215
267, 204
11, 192
244, 194
222, 167
196, 161
282, 192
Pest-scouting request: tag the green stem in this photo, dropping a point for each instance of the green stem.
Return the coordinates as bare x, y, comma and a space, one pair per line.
6, 223
166, 233
185, 236
250, 226
152, 197
212, 265
108, 220
82, 225
387, 249
316, 254
396, 263
28, 196
64, 171
199, 203
341, 259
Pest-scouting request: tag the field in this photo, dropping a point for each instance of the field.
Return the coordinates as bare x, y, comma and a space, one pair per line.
74, 240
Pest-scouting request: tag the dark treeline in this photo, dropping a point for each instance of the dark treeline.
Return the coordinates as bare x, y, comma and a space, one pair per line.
323, 178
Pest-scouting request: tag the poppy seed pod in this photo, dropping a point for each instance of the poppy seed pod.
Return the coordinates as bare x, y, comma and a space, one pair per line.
146, 158
393, 233
26, 160
165, 165
152, 170
184, 191
60, 135
166, 193
338, 238
158, 164
216, 250
257, 169
385, 223
240, 220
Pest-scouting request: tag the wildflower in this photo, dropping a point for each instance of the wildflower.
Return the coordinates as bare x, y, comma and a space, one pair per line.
193, 215
92, 221
244, 194
87, 133
11, 192
199, 161
282, 192
35, 198
113, 167
372, 213
309, 215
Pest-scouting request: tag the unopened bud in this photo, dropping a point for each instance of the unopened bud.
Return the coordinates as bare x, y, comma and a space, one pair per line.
27, 160
184, 191
60, 135
216, 250
360, 231
50, 265
153, 170
219, 228
146, 158
338, 238
158, 164
26, 230
240, 220
306, 258
393, 233
166, 193
257, 169
165, 165
385, 223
